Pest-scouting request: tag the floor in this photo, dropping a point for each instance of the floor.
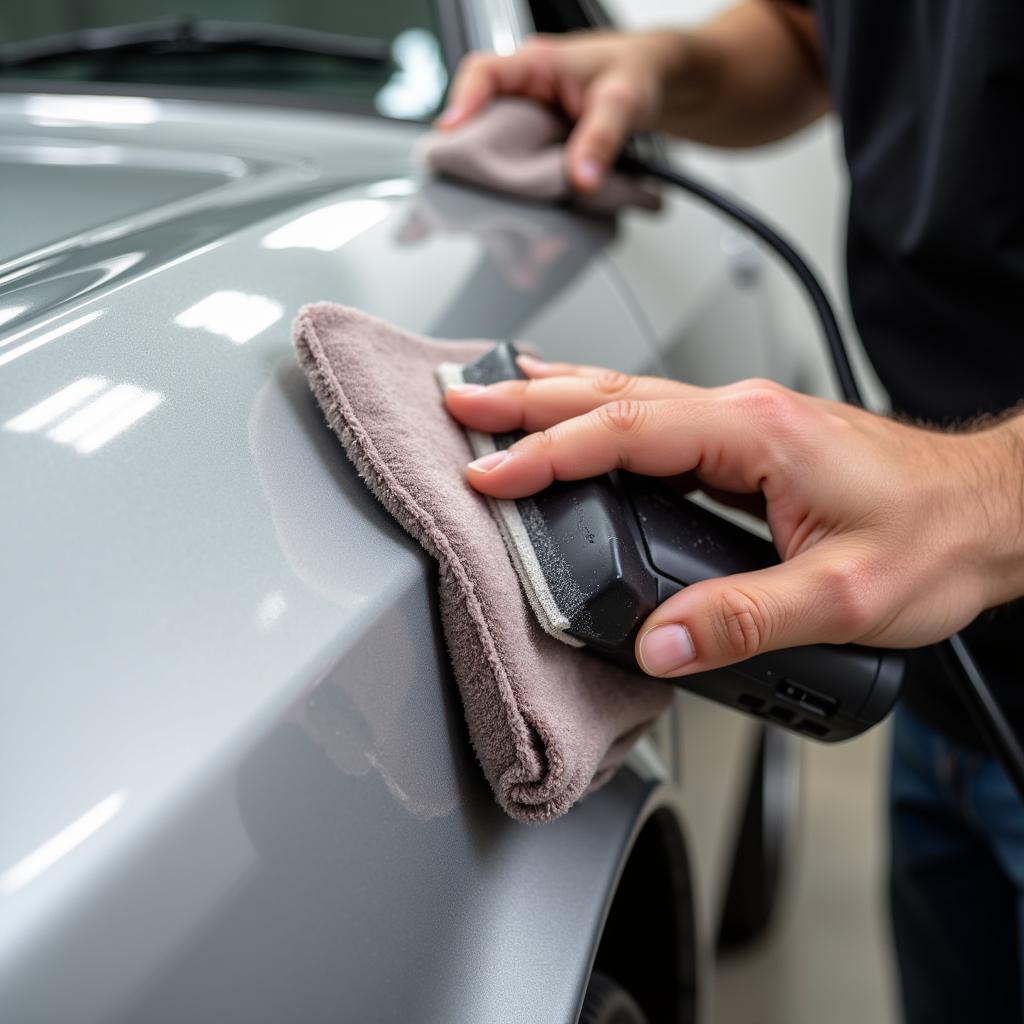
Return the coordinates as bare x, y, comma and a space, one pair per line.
828, 956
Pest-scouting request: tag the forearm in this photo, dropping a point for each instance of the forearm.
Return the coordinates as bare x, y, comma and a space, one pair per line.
748, 77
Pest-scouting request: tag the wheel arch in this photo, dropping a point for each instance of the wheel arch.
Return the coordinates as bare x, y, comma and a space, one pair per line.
648, 939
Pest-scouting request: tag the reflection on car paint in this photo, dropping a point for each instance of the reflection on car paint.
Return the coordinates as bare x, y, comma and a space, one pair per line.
162, 242
106, 111
390, 188
536, 256
25, 270
77, 154
390, 725
42, 339
105, 417
305, 516
109, 410
40, 292
234, 315
329, 227
43, 413
270, 609
44, 856
8, 313
366, 723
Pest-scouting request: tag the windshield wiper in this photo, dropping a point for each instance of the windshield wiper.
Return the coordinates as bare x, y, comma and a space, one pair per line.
188, 36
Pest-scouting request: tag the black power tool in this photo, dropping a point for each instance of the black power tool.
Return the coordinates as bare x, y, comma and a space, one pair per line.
610, 549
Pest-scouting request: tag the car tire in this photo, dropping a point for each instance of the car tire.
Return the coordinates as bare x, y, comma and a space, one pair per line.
765, 838
607, 1002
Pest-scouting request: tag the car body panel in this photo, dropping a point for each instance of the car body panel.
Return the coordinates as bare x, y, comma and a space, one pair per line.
229, 729
228, 719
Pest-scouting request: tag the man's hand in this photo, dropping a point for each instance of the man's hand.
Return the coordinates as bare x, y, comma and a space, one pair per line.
609, 83
890, 534
750, 76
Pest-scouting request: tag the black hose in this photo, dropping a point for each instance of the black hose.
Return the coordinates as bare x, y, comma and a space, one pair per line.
822, 307
984, 709
981, 704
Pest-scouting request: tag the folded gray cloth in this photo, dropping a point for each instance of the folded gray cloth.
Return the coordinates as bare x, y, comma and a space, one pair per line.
516, 146
548, 722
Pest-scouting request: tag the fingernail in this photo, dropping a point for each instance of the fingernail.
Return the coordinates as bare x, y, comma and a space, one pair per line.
589, 173
665, 649
489, 462
530, 362
466, 389
449, 116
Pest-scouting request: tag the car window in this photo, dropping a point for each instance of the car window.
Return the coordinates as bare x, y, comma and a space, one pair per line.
380, 57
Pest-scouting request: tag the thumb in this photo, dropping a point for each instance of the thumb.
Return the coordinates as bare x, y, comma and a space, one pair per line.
817, 597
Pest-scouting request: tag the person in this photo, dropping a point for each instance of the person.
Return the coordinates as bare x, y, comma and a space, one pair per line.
894, 531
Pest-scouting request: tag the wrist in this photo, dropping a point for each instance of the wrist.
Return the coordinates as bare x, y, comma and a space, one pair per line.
662, 51
995, 474
676, 58
687, 68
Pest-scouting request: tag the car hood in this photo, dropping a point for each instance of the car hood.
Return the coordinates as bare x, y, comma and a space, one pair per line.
101, 189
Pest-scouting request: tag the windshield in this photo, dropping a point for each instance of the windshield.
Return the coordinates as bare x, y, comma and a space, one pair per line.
383, 57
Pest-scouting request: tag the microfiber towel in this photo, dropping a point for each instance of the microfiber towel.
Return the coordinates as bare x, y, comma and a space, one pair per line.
548, 723
516, 146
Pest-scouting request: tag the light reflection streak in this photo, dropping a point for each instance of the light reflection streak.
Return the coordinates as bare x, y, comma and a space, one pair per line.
10, 312
45, 337
29, 268
103, 110
390, 188
329, 227
234, 315
119, 421
78, 156
46, 411
78, 423
43, 857
108, 412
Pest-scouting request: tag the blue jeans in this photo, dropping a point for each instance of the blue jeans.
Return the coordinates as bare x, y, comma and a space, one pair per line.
957, 880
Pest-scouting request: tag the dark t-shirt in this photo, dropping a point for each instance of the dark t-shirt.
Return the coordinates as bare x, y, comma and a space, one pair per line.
931, 97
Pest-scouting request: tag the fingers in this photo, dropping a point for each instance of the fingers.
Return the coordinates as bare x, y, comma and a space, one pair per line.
534, 367
612, 108
607, 107
481, 77
542, 402
817, 597
730, 443
750, 438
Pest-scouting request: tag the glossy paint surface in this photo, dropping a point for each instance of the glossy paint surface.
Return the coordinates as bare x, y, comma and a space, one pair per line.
234, 779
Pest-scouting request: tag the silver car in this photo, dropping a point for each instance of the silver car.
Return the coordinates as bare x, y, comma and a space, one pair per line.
235, 781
